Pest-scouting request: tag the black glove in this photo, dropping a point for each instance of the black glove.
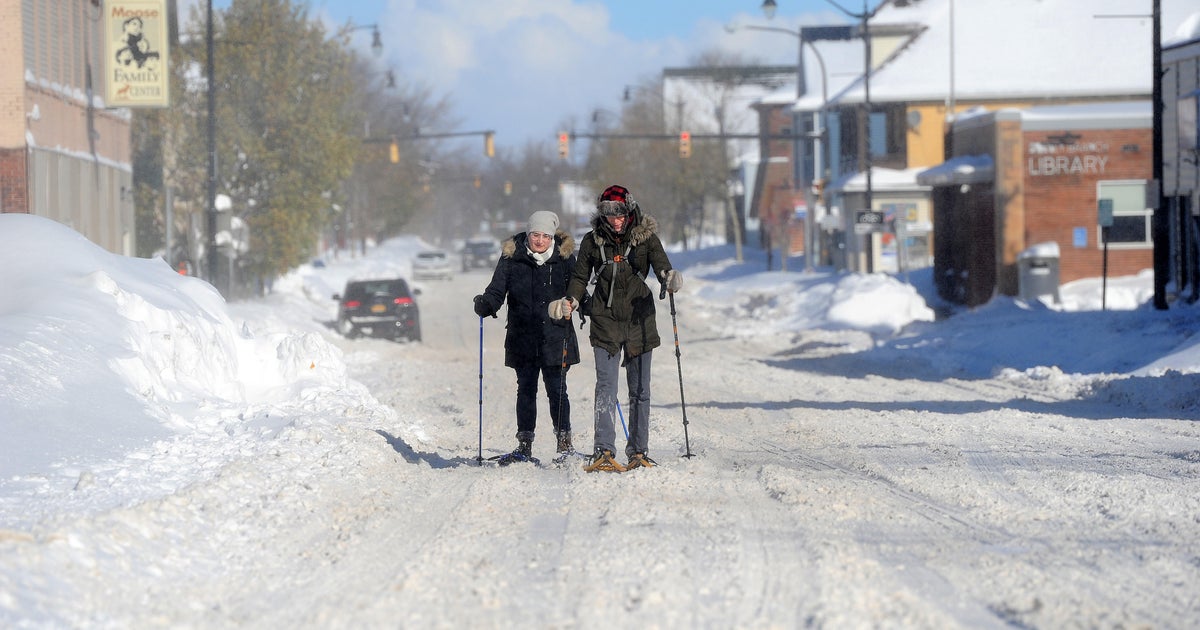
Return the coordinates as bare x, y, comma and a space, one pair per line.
483, 308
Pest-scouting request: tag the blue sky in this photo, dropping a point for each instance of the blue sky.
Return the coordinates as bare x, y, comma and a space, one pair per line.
639, 20
526, 68
530, 68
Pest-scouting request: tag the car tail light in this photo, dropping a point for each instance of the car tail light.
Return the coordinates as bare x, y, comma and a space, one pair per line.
403, 300
353, 303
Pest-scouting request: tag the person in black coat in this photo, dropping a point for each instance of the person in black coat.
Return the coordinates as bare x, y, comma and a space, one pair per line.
534, 268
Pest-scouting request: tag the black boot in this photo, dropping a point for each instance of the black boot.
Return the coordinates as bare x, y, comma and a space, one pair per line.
525, 443
523, 452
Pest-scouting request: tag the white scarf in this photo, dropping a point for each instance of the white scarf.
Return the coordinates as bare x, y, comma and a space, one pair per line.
541, 258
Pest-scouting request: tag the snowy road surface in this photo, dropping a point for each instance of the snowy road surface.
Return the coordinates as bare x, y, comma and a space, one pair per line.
825, 490
831, 487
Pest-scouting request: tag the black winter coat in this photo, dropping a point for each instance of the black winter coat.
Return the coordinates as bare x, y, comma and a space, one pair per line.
622, 306
532, 338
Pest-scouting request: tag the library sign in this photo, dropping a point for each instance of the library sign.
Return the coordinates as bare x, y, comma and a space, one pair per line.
1066, 155
136, 70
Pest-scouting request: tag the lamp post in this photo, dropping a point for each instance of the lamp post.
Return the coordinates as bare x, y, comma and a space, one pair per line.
769, 6
805, 35
797, 146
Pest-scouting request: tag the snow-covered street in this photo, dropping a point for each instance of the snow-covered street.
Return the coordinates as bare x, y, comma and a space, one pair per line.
850, 471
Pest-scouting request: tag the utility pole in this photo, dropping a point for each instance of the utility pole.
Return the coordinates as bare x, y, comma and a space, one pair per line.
1160, 230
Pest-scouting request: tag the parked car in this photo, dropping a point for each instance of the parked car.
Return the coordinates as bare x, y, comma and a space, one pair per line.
479, 254
379, 308
432, 264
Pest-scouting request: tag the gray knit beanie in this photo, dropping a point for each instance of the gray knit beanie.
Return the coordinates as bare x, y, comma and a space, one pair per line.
543, 221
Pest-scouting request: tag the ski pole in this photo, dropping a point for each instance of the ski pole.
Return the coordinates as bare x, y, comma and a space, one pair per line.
562, 378
479, 458
622, 417
678, 363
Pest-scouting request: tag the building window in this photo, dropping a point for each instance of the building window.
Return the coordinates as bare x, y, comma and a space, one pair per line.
1131, 217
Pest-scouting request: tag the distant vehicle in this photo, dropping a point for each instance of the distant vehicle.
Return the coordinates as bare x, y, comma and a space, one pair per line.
380, 308
479, 254
432, 264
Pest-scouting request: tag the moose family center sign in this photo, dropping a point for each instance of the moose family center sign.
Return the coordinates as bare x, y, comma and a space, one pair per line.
135, 34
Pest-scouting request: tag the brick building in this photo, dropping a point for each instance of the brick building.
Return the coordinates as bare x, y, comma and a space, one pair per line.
1021, 178
62, 154
779, 191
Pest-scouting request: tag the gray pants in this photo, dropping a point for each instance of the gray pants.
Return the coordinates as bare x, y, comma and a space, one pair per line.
637, 379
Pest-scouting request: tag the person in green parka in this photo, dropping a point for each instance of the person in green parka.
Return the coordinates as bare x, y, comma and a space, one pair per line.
621, 251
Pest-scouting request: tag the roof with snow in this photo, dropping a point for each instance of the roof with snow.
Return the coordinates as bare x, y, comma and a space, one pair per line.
1015, 49
889, 179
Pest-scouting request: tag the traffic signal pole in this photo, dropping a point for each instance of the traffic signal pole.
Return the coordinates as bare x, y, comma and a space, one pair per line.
693, 136
489, 140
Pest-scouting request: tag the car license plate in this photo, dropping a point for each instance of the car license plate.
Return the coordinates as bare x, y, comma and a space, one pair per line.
378, 308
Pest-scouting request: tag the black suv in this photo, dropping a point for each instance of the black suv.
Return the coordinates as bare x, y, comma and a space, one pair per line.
478, 253
380, 308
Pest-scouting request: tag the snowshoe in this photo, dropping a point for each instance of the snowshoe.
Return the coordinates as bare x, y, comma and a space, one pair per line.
640, 460
603, 460
523, 453
514, 457
562, 458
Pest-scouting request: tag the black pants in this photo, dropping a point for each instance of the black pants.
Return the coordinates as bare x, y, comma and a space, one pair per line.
554, 378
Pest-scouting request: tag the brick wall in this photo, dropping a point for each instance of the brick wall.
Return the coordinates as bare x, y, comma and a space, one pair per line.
14, 192
1062, 198
12, 76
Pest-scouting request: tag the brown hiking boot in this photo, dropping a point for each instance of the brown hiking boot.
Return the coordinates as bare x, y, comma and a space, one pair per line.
603, 460
640, 460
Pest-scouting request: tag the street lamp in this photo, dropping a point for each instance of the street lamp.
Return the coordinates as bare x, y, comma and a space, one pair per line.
866, 135
376, 38
768, 7
805, 35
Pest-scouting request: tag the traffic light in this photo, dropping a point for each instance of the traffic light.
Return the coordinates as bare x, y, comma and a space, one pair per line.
564, 145
489, 144
507, 188
478, 181
685, 144
394, 152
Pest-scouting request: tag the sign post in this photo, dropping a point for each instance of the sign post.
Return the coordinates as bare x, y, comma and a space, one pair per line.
1105, 219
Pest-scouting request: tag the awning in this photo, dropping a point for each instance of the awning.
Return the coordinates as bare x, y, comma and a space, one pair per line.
966, 169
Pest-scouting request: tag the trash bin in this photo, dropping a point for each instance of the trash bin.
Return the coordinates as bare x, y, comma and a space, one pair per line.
1037, 269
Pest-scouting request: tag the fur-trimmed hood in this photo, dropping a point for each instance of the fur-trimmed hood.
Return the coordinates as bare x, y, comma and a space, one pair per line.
563, 241
644, 227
